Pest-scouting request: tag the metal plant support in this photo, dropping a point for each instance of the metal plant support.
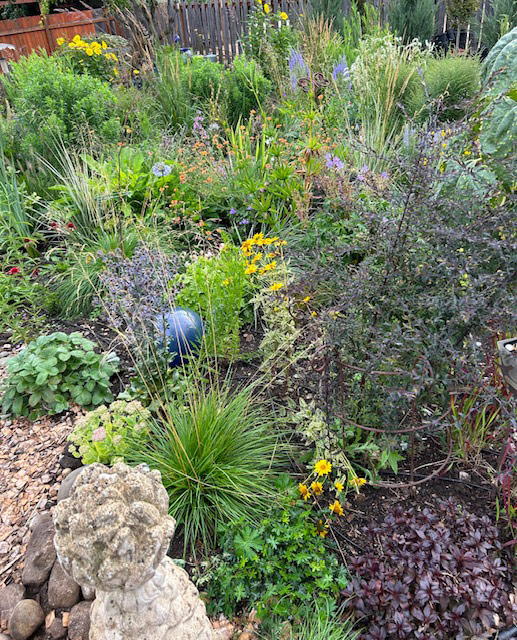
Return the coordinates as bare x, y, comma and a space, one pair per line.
327, 361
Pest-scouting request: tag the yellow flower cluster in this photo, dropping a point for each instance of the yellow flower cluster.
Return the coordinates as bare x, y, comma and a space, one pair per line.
90, 48
253, 262
322, 468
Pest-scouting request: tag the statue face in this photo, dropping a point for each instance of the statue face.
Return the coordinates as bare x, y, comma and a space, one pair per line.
113, 530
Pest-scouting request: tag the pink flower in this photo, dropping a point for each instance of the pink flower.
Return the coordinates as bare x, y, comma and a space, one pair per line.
14, 271
99, 435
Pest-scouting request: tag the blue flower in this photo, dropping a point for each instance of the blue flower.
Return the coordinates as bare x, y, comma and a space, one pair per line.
160, 169
244, 221
233, 211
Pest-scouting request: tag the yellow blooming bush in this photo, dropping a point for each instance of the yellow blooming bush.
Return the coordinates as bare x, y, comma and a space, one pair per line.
89, 56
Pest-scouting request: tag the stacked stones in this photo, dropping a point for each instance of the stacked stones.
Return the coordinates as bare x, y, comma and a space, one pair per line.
48, 605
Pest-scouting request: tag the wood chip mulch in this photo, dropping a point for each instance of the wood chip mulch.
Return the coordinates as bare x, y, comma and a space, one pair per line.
30, 476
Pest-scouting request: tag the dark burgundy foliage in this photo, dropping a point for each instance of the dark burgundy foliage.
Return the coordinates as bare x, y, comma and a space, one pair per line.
436, 574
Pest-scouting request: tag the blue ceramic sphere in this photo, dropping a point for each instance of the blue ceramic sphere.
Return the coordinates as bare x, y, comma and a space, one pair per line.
182, 330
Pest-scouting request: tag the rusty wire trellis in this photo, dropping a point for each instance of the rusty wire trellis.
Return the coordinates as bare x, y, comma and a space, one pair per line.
326, 358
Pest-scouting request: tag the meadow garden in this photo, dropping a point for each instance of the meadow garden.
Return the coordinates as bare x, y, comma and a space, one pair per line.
287, 283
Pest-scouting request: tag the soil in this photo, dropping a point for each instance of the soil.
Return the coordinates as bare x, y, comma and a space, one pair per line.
32, 473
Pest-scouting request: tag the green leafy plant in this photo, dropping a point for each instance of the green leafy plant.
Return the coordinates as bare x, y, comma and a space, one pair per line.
452, 80
268, 41
246, 87
277, 567
205, 79
17, 209
218, 288
172, 104
22, 302
217, 456
474, 424
319, 621
500, 21
54, 370
102, 435
349, 450
54, 106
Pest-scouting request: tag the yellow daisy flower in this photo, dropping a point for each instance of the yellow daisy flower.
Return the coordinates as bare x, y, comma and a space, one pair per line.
336, 508
60, 42
339, 486
357, 482
276, 286
266, 8
251, 269
283, 15
317, 488
304, 492
323, 467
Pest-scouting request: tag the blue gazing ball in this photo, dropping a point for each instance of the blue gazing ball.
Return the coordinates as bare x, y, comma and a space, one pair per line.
183, 332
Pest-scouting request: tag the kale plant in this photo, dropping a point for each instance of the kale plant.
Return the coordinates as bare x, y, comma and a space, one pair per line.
435, 574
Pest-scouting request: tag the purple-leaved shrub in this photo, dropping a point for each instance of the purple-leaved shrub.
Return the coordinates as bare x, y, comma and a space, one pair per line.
435, 574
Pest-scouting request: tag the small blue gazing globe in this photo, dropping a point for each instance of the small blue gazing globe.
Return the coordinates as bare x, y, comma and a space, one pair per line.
182, 330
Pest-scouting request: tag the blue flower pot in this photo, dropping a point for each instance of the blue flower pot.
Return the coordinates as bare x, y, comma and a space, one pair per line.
182, 330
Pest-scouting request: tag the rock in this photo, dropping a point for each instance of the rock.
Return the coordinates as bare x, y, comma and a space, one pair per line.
79, 621
9, 598
4, 636
63, 592
54, 626
41, 554
88, 593
66, 485
26, 617
69, 461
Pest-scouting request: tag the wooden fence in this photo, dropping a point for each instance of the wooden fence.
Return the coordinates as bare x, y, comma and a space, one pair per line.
41, 32
207, 27
217, 26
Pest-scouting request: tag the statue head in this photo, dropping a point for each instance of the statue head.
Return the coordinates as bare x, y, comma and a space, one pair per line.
113, 530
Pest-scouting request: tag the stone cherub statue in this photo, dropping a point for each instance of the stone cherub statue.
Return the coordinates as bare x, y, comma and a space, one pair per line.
112, 535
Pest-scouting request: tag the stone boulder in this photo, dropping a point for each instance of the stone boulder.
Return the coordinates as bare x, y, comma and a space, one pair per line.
63, 592
9, 598
79, 621
25, 619
41, 554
